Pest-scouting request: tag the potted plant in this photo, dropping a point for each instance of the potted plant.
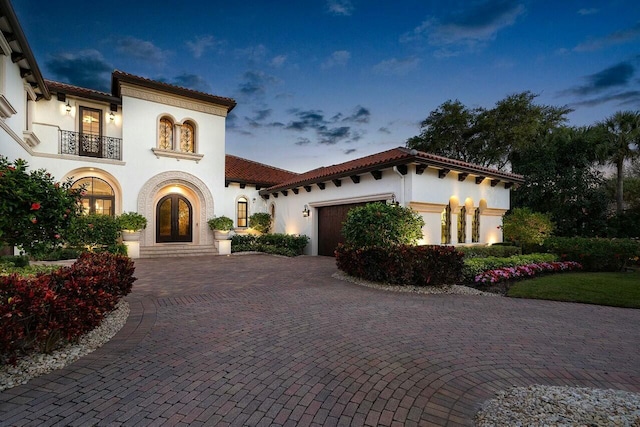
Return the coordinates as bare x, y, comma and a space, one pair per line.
130, 224
221, 226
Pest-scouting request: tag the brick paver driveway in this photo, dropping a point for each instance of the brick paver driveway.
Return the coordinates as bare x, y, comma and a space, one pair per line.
262, 340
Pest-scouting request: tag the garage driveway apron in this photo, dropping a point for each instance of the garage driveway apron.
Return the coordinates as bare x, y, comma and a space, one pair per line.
265, 340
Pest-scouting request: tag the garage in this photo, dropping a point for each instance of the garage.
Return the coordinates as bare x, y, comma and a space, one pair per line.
330, 219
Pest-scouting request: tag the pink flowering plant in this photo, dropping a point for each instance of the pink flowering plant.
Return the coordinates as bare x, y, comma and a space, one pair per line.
524, 271
35, 210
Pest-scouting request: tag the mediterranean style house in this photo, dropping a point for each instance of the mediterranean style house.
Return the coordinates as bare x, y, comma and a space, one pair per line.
159, 150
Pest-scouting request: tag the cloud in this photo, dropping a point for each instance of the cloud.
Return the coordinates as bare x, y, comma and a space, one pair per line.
140, 49
340, 7
359, 115
384, 130
278, 61
615, 76
617, 37
585, 12
86, 68
191, 81
337, 58
467, 29
255, 83
201, 44
328, 132
397, 67
303, 141
350, 150
631, 98
252, 53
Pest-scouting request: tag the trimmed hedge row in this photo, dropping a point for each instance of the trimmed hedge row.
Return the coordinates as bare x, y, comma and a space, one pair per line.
39, 313
498, 251
595, 254
402, 264
278, 244
475, 266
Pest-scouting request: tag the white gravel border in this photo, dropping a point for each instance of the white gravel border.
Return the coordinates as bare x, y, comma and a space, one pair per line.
37, 364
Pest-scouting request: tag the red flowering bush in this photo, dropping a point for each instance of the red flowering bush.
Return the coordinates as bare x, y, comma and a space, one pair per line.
35, 211
402, 264
39, 313
524, 271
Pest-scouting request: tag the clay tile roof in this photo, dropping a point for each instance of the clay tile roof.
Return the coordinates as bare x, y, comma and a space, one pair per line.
386, 159
121, 76
246, 171
59, 87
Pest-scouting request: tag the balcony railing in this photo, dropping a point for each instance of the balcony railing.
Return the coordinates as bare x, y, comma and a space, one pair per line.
90, 145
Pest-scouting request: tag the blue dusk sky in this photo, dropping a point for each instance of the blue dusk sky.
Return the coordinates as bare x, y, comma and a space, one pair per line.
325, 81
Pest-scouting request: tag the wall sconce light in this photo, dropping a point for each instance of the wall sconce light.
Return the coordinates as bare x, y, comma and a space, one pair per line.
393, 201
112, 116
305, 211
68, 107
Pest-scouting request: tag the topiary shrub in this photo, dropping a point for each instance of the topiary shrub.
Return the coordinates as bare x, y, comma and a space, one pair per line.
260, 221
381, 225
526, 228
277, 244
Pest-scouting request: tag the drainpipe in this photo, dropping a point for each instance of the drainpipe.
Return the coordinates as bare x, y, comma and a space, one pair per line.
401, 197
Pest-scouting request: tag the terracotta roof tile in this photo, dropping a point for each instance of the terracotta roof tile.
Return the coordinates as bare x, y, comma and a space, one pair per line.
386, 159
68, 89
246, 171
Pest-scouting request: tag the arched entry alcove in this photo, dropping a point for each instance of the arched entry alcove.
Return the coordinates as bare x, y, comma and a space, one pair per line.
178, 185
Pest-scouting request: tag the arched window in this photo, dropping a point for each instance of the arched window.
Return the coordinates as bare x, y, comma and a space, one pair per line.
98, 196
187, 138
445, 226
475, 226
242, 212
462, 225
165, 134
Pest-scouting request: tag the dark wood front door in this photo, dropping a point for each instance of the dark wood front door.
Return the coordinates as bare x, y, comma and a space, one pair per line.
330, 219
173, 219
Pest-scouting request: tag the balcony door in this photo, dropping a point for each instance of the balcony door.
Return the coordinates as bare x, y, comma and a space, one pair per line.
90, 132
174, 219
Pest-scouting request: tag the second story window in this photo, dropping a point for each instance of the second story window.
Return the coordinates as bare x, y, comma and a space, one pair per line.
90, 132
165, 134
187, 138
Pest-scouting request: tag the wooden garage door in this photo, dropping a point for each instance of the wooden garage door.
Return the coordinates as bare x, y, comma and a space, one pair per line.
330, 219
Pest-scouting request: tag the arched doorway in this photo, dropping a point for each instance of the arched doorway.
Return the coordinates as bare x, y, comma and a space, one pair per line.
174, 216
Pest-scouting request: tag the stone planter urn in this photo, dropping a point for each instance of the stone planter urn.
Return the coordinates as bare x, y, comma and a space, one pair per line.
130, 236
221, 235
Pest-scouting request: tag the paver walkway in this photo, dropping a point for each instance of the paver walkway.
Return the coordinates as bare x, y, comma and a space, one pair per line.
262, 340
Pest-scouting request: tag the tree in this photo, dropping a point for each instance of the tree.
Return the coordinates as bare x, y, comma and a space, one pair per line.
562, 180
35, 211
490, 138
622, 144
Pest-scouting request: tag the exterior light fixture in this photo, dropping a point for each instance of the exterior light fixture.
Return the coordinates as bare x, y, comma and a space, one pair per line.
305, 211
68, 107
393, 201
112, 116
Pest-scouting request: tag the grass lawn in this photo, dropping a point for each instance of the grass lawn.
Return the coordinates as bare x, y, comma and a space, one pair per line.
614, 289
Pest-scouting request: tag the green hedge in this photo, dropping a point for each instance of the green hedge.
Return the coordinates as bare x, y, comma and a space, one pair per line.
402, 264
277, 244
595, 254
489, 251
474, 266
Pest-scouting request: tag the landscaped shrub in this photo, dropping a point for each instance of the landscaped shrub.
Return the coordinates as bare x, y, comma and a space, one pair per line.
499, 251
60, 253
94, 232
15, 260
593, 253
277, 244
260, 221
523, 271
402, 264
379, 224
527, 229
474, 266
39, 313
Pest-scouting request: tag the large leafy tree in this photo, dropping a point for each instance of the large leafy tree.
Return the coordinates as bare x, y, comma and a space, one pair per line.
562, 179
622, 144
490, 138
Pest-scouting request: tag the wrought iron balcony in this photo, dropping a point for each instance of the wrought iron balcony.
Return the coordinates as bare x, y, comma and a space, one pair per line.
90, 145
